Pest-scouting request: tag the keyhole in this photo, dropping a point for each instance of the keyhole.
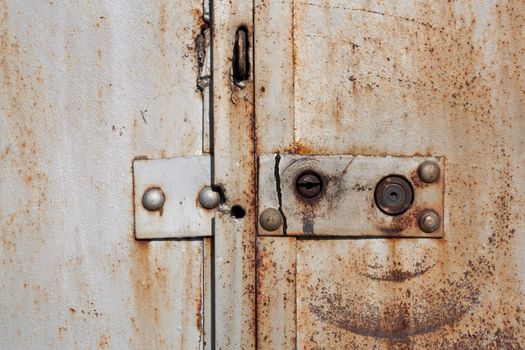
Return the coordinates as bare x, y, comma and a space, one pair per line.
309, 184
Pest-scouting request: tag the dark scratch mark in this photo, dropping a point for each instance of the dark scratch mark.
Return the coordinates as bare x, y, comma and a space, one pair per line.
345, 8
143, 115
413, 20
347, 166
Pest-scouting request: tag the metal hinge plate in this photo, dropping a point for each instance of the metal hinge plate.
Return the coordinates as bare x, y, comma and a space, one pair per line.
180, 181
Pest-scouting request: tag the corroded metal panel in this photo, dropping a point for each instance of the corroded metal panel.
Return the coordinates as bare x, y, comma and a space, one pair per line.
87, 86
406, 78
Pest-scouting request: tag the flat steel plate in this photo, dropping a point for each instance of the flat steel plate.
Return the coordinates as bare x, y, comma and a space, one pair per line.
347, 206
180, 179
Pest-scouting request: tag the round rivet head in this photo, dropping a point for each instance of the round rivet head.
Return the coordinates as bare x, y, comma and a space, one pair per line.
153, 199
428, 221
209, 198
428, 171
271, 219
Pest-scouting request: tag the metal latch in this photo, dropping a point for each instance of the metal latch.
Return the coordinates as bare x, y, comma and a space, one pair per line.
173, 197
351, 196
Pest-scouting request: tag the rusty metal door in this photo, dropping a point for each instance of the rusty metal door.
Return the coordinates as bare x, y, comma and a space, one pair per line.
348, 93
266, 174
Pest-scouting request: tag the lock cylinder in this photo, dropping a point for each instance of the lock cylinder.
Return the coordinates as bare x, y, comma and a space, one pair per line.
309, 184
394, 195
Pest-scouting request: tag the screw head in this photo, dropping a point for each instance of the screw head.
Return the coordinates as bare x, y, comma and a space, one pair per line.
429, 171
209, 198
271, 219
429, 221
153, 199
394, 195
309, 185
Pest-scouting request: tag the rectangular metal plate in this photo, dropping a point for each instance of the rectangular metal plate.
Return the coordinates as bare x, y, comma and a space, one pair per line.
180, 179
347, 207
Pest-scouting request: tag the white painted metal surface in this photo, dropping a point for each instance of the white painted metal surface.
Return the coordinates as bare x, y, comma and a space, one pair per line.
180, 179
87, 86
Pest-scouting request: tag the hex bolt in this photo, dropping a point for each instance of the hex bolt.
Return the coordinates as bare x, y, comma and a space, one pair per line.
428, 171
394, 195
428, 221
309, 185
153, 199
271, 219
209, 198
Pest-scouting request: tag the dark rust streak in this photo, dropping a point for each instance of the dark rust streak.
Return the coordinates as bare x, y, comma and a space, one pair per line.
391, 322
308, 225
397, 275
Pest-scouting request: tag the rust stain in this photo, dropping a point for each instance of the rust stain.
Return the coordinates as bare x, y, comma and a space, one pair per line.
298, 148
150, 285
21, 106
99, 57
5, 42
104, 342
162, 26
200, 24
100, 103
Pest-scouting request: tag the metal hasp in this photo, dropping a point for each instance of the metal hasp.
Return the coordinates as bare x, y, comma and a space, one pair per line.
362, 196
167, 194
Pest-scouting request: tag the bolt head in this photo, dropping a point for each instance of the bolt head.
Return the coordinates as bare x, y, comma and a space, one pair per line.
209, 198
429, 221
271, 219
153, 199
429, 171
